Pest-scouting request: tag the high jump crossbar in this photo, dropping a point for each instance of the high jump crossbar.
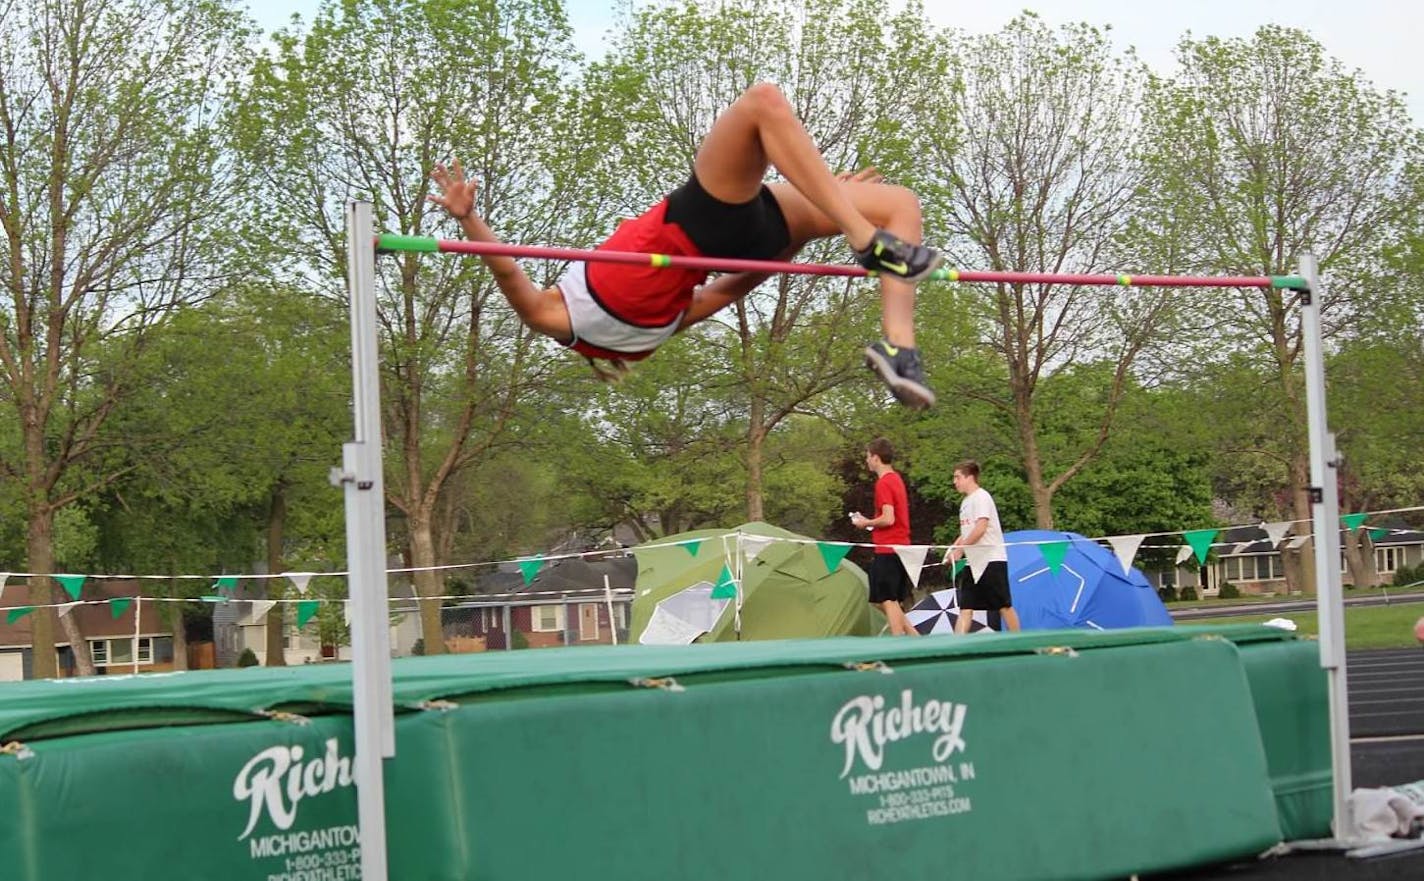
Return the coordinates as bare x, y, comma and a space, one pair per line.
390, 243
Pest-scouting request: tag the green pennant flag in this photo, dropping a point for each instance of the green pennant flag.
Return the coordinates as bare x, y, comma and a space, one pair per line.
226, 584
958, 566
16, 614
1053, 553
692, 547
305, 610
73, 584
1377, 534
530, 567
118, 607
1200, 540
832, 554
1354, 521
726, 588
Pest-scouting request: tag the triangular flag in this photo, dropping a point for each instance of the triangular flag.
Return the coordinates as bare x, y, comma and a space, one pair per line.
832, 553
1276, 531
226, 584
1053, 553
66, 608
529, 567
1378, 533
73, 584
260, 608
305, 610
1354, 521
912, 557
753, 545
16, 614
1200, 540
979, 556
1184, 553
726, 588
692, 547
346, 612
300, 580
958, 565
4, 577
1125, 549
117, 607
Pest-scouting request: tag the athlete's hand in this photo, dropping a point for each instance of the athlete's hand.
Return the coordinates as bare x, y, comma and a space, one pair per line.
457, 195
867, 175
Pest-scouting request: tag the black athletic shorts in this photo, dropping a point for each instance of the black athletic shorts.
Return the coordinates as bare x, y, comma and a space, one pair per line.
991, 591
754, 230
889, 582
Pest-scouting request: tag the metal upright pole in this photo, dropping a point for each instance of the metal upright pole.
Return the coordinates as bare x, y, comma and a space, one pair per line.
366, 550
1325, 508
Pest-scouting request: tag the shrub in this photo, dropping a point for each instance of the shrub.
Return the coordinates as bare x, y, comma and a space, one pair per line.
1167, 593
1229, 591
1406, 575
519, 640
418, 647
1188, 593
248, 658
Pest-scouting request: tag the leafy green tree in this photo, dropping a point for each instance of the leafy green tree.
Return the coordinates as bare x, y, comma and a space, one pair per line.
113, 200
1262, 149
363, 105
1029, 164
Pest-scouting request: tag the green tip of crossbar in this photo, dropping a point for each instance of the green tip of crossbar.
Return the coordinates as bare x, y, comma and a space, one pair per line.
1290, 282
389, 242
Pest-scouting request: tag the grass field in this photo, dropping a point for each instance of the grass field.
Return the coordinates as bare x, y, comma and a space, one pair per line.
1366, 627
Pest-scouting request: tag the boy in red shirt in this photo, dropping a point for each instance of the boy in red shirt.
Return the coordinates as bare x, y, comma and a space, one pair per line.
889, 582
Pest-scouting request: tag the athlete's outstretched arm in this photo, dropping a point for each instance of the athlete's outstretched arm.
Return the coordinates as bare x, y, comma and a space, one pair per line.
725, 290
542, 310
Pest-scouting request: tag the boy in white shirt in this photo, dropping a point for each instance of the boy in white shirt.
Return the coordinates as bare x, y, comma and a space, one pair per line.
979, 529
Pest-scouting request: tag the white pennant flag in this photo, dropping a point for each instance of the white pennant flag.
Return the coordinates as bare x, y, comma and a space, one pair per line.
66, 608
912, 557
1276, 531
260, 608
301, 580
1125, 549
1184, 553
753, 545
4, 577
979, 556
346, 612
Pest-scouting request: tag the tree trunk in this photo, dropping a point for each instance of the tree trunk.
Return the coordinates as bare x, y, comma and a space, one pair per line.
1360, 558
180, 635
40, 552
756, 447
427, 582
276, 535
1033, 465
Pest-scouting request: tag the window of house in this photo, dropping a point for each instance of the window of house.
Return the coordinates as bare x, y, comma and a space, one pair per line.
547, 618
1389, 559
145, 650
99, 651
622, 612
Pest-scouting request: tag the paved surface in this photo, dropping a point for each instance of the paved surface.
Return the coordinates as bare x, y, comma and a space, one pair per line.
1291, 605
1386, 692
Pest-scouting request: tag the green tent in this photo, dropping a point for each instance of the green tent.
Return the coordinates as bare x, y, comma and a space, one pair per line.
690, 586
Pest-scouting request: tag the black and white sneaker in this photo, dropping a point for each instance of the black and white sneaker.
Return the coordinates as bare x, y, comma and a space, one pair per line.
889, 254
899, 367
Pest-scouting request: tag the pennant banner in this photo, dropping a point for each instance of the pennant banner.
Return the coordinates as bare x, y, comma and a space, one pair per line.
529, 567
726, 587
1200, 541
1377, 534
912, 557
300, 580
4, 577
753, 545
832, 553
980, 556
958, 567
16, 614
65, 609
118, 607
1184, 553
346, 612
305, 610
226, 584
692, 547
1276, 531
73, 584
260, 608
1353, 521
1125, 549
1053, 553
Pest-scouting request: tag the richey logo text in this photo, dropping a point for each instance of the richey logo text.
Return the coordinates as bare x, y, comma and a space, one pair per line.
865, 726
276, 780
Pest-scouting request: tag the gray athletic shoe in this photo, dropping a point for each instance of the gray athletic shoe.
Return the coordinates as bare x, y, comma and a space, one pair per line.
899, 367
889, 254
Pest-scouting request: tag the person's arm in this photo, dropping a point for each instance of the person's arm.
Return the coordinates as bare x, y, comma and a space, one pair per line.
542, 310
975, 533
722, 292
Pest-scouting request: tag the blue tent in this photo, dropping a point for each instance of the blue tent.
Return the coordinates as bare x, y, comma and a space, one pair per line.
1088, 590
